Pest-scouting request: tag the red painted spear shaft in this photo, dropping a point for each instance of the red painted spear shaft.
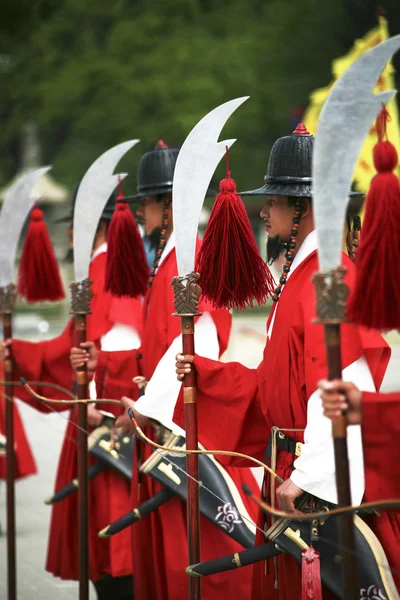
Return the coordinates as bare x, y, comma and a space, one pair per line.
192, 462
10, 465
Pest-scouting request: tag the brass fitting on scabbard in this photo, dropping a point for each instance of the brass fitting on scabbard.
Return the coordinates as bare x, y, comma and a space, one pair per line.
103, 534
189, 571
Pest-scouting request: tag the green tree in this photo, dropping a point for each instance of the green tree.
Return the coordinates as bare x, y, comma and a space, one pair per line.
94, 73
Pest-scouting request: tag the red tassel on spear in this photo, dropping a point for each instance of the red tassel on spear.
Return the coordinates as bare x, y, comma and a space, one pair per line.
233, 274
127, 271
376, 296
39, 277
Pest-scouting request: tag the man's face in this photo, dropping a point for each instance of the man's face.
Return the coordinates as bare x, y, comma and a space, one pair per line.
278, 217
150, 213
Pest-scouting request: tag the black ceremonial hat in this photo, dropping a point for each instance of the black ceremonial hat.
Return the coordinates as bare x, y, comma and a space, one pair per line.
156, 171
289, 171
106, 215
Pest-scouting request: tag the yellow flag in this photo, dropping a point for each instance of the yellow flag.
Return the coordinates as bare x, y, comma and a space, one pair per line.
365, 168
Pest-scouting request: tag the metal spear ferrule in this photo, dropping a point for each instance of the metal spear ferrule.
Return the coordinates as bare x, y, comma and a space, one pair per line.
332, 293
186, 295
81, 295
8, 298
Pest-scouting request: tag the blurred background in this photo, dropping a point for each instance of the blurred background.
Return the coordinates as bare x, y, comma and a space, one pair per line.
80, 76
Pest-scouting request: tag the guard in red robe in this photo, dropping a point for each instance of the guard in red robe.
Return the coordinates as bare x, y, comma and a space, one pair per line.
281, 398
25, 462
110, 562
159, 541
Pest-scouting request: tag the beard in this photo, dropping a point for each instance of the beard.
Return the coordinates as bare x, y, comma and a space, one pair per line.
275, 249
155, 237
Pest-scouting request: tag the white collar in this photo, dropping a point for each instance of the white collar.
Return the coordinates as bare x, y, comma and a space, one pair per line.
170, 245
100, 250
308, 246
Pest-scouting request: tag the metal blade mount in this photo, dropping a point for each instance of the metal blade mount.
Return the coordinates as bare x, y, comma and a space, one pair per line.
344, 122
94, 190
195, 166
16, 208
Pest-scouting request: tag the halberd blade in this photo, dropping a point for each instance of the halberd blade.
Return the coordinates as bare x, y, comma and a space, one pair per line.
16, 207
343, 125
94, 190
195, 166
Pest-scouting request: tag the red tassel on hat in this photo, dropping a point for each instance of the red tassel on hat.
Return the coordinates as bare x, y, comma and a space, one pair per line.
376, 299
311, 588
39, 276
127, 270
232, 272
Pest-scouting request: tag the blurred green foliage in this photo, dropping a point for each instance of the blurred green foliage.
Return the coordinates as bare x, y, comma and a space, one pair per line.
93, 73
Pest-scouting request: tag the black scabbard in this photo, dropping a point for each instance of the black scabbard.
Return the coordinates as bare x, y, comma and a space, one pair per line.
234, 561
73, 486
137, 513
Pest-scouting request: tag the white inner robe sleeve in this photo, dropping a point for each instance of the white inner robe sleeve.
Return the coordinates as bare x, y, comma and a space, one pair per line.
120, 337
315, 468
162, 391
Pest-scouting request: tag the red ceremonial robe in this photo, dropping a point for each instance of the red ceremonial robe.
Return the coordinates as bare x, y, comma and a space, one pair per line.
109, 492
381, 429
24, 461
247, 403
381, 432
160, 553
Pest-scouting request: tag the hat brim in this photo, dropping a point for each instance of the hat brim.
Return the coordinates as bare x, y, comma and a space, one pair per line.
296, 190
106, 216
136, 199
279, 189
150, 192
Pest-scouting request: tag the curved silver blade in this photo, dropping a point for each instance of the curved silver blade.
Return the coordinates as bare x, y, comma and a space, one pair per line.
196, 163
16, 207
94, 191
343, 125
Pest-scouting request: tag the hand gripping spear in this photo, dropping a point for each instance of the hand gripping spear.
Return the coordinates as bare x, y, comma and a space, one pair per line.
344, 123
94, 190
196, 163
16, 208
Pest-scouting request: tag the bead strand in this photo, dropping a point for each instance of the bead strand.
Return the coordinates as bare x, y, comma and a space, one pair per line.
161, 245
290, 247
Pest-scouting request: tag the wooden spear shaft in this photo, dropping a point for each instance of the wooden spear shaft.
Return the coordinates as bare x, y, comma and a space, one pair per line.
10, 465
331, 295
192, 460
83, 491
339, 431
